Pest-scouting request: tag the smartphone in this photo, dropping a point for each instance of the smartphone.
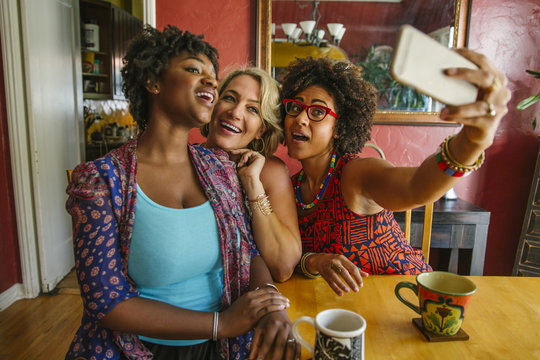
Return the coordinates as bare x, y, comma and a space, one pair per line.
418, 62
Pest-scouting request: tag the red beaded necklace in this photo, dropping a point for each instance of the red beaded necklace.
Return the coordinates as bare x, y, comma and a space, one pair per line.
321, 188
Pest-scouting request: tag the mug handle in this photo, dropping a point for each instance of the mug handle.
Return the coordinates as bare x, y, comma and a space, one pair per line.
296, 334
414, 288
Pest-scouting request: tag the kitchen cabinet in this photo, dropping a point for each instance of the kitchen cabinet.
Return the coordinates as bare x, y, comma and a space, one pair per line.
102, 59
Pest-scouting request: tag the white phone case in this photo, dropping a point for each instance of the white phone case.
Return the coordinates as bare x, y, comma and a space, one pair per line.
419, 61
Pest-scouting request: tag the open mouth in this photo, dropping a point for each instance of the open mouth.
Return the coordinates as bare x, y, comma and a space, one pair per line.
230, 127
206, 96
299, 136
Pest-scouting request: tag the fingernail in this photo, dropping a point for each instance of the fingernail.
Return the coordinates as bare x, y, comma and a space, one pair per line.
450, 71
355, 289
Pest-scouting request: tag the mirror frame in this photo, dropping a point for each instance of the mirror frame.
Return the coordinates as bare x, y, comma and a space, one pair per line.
384, 117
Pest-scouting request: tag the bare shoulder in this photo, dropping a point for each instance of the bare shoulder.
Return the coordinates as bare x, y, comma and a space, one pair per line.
275, 166
275, 174
359, 175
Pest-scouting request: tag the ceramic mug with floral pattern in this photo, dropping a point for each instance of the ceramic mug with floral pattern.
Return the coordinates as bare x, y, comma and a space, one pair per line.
339, 334
443, 299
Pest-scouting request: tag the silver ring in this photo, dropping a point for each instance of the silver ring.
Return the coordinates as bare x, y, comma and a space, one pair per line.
491, 109
291, 340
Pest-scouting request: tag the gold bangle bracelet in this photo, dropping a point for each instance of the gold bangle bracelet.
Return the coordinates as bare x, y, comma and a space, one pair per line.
303, 266
451, 162
262, 203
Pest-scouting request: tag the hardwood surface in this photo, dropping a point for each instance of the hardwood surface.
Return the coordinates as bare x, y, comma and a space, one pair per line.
40, 328
503, 320
69, 284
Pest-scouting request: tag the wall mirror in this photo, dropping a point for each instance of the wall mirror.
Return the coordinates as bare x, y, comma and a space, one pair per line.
363, 31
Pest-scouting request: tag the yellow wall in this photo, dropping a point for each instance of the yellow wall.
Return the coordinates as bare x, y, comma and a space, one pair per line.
283, 53
137, 9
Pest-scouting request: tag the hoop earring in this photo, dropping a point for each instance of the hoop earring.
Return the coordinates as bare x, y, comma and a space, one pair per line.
258, 143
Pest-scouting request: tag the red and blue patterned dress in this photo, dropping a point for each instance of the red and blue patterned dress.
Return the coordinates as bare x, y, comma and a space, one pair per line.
375, 243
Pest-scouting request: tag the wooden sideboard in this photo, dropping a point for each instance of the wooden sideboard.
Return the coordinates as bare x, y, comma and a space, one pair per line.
457, 225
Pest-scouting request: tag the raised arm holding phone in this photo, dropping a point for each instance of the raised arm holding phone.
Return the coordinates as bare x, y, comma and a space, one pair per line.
346, 202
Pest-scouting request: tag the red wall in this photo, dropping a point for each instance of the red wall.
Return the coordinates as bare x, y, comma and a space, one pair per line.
228, 25
10, 269
506, 31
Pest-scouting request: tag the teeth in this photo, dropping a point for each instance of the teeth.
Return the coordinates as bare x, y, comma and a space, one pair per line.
231, 127
206, 95
299, 136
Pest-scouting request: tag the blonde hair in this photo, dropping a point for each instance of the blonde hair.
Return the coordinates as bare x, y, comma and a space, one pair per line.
270, 109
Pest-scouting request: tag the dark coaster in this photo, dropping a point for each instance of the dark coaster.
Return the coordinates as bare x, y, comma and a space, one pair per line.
460, 336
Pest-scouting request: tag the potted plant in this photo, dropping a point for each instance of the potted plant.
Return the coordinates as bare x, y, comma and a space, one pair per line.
392, 94
525, 103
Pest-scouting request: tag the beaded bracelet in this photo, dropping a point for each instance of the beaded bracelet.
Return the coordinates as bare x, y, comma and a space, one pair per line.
447, 169
450, 166
303, 268
262, 203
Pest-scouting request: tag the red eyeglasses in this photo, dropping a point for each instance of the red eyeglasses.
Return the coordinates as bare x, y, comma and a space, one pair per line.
314, 112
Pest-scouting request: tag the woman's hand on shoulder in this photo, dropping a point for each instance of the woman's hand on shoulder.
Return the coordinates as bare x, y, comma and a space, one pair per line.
481, 118
248, 309
273, 338
338, 271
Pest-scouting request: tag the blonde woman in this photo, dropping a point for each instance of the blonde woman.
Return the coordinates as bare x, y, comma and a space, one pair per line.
245, 123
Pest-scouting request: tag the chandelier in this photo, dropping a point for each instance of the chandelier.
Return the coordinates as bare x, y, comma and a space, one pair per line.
312, 34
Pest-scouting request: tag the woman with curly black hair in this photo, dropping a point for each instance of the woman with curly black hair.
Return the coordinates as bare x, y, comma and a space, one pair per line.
345, 202
164, 252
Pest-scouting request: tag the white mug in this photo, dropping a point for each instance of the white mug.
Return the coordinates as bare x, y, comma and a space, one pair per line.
339, 334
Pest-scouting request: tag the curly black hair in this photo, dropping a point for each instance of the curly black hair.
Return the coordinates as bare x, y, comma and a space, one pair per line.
148, 57
355, 98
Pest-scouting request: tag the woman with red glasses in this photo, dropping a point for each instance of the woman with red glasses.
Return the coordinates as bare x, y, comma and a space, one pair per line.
345, 202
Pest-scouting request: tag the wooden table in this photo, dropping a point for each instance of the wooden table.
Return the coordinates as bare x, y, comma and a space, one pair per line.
457, 225
503, 320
